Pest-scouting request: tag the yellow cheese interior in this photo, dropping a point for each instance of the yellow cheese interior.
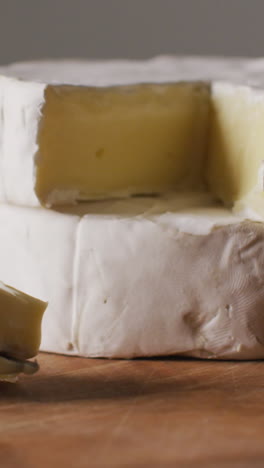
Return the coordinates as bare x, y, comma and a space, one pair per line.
120, 141
20, 324
150, 139
236, 147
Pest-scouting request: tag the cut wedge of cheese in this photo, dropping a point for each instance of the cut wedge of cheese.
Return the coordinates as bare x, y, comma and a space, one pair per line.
141, 277
91, 130
20, 331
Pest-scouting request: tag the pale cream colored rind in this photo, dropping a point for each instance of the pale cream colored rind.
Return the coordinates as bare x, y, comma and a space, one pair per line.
141, 277
20, 114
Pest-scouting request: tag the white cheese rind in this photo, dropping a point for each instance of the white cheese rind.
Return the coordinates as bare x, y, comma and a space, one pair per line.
136, 278
160, 69
158, 290
37, 255
20, 108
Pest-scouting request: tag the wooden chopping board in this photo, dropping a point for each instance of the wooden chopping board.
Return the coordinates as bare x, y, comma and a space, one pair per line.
165, 413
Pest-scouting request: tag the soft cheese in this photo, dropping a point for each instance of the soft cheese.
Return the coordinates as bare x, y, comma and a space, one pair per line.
20, 331
38, 258
20, 323
89, 130
175, 274
140, 277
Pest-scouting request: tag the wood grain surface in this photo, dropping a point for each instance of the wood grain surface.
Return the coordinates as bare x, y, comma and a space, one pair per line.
162, 413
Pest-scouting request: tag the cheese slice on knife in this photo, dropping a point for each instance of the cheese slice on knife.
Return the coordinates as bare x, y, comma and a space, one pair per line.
20, 331
140, 277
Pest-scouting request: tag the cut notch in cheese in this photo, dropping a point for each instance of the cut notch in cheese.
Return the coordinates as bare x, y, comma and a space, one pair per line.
90, 130
79, 143
119, 141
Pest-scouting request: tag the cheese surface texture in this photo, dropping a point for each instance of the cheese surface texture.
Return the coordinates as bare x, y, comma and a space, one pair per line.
20, 331
177, 271
140, 277
92, 130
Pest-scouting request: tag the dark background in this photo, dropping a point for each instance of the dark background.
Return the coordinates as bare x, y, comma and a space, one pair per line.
31, 29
